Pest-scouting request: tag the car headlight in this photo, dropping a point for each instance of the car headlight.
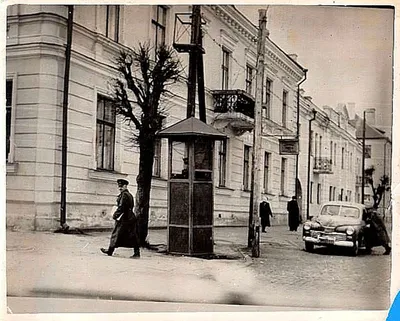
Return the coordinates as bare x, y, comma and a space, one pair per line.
350, 231
307, 227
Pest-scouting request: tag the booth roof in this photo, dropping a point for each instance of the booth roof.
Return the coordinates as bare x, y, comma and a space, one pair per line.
191, 127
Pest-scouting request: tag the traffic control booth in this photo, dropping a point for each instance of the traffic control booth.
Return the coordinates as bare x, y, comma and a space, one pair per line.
190, 186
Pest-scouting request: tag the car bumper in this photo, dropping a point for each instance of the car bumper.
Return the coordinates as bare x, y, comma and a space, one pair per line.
331, 241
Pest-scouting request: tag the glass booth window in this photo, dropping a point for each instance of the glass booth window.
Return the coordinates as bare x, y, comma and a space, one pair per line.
203, 150
179, 161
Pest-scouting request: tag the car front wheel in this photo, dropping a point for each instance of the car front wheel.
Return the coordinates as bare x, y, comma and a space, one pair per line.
309, 246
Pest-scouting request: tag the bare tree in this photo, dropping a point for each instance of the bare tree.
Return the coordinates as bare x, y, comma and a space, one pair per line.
379, 190
138, 92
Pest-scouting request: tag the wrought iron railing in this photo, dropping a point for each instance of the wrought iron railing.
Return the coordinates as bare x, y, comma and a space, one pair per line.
235, 100
323, 165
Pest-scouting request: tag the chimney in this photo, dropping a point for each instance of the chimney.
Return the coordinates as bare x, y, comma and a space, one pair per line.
370, 117
351, 108
293, 56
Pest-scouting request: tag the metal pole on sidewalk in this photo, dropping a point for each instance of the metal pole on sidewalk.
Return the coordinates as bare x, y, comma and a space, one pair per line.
314, 112
257, 139
63, 211
363, 162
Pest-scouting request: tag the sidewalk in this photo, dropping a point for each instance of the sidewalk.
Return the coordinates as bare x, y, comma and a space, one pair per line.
45, 264
52, 272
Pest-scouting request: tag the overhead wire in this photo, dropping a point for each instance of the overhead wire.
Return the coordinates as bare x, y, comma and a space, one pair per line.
242, 67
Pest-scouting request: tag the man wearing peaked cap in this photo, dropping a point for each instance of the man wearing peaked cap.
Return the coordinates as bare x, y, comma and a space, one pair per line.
122, 182
125, 233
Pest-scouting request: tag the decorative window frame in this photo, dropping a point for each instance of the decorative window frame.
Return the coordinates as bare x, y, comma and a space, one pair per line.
228, 41
168, 23
94, 172
10, 162
227, 164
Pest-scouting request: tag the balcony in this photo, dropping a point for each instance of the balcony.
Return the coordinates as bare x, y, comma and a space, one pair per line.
234, 108
322, 165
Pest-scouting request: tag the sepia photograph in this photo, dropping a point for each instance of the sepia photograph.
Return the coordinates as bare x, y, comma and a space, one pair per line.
198, 158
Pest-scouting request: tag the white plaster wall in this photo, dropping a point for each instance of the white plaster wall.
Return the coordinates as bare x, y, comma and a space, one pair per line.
90, 193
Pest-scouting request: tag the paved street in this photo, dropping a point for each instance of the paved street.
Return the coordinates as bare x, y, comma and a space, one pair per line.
57, 266
325, 278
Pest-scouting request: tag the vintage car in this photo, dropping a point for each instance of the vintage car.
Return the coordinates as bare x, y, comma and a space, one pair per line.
339, 224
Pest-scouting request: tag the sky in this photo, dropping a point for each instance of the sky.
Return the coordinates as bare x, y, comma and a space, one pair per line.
348, 53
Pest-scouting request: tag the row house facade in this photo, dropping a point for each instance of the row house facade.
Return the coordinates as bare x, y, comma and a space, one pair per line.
335, 169
378, 154
99, 151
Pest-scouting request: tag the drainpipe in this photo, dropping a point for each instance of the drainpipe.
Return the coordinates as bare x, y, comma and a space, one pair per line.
298, 128
64, 225
309, 162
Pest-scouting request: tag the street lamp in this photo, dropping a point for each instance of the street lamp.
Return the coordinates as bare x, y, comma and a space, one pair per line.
363, 155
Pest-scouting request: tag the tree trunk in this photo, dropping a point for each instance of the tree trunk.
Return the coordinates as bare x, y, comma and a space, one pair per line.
143, 180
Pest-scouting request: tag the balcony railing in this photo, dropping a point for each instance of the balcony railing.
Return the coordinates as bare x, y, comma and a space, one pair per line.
233, 101
322, 165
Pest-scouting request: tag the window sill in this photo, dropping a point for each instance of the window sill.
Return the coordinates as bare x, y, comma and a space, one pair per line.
103, 175
159, 178
11, 168
269, 194
224, 188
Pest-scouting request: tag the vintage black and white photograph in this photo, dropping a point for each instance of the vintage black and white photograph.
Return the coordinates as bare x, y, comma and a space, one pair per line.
198, 158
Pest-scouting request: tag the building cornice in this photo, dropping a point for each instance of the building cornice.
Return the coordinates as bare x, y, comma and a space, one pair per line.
243, 27
322, 117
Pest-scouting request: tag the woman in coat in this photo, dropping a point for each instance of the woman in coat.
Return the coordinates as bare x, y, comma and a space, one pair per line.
265, 213
294, 214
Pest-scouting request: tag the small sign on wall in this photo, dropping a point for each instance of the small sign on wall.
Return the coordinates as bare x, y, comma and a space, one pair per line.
288, 146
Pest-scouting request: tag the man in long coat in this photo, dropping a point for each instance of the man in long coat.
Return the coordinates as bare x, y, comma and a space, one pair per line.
294, 214
265, 213
379, 229
125, 233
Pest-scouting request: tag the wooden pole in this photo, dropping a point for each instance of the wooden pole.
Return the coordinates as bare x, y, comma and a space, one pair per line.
63, 205
193, 57
257, 140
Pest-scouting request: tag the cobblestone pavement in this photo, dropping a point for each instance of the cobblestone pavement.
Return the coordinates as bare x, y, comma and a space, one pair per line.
325, 278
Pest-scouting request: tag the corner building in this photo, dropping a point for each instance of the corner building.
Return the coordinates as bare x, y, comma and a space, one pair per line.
98, 148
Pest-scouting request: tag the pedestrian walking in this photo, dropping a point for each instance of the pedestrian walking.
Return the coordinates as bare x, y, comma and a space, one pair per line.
265, 213
125, 233
294, 214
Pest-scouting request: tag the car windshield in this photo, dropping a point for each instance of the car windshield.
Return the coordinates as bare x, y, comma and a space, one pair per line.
344, 211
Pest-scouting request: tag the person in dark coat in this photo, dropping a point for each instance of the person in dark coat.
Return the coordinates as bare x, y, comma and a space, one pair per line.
265, 213
378, 227
125, 233
294, 214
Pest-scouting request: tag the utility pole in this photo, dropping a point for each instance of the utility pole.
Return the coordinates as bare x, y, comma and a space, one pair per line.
254, 228
196, 73
314, 112
363, 162
63, 201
